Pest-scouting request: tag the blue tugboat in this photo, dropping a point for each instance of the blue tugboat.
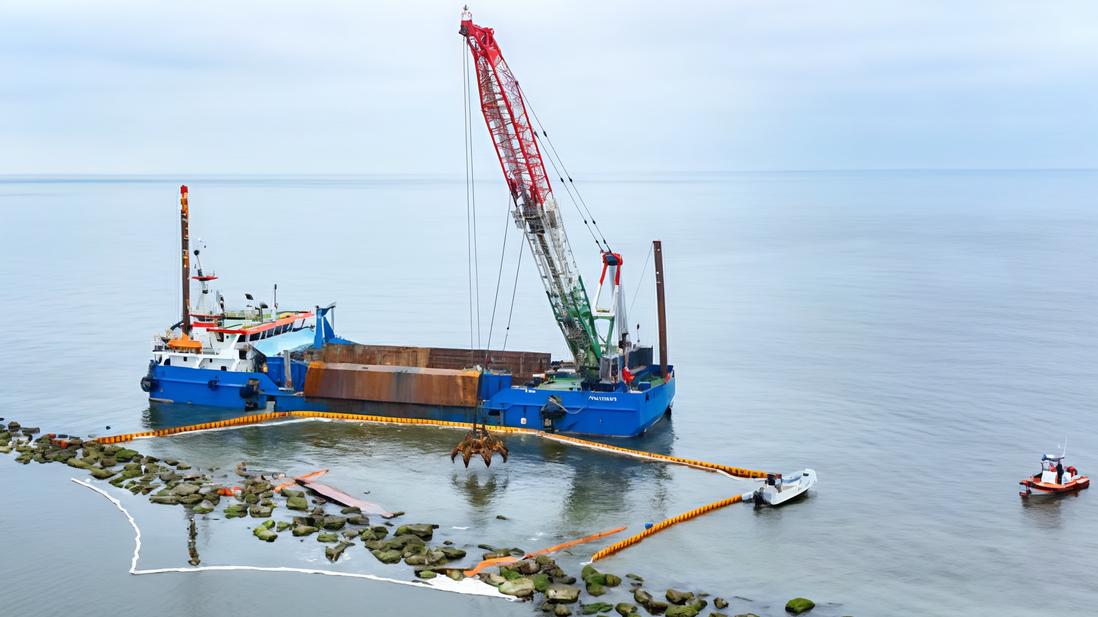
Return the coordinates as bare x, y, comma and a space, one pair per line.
262, 358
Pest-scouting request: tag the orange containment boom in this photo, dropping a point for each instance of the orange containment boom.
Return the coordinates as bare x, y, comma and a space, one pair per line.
664, 524
502, 561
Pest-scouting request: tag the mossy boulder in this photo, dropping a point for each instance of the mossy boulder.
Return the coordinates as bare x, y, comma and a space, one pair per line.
426, 574
625, 609
596, 607
236, 510
562, 610
297, 502
303, 530
798, 606
289, 492
387, 556
102, 474
452, 554
334, 523
125, 454
327, 536
520, 587
264, 531
675, 596
258, 511
204, 507
541, 582
720, 603
423, 531
681, 610
333, 553
79, 463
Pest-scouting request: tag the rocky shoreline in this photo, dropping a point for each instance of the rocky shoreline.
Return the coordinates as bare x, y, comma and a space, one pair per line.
174, 483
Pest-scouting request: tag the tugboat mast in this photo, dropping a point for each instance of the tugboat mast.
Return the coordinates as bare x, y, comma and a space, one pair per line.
184, 342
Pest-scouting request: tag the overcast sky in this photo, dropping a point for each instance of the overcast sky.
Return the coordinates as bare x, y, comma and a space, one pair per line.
366, 87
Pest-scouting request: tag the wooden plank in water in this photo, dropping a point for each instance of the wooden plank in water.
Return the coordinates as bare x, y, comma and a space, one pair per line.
334, 494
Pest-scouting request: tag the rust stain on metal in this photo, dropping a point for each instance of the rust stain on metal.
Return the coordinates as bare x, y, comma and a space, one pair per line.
393, 384
521, 364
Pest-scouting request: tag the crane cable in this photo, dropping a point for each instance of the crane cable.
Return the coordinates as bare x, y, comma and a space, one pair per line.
470, 211
499, 279
553, 149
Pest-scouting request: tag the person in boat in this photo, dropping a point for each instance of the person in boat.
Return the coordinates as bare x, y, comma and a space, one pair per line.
1060, 472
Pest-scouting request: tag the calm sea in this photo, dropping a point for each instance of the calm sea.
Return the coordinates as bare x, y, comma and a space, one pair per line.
918, 338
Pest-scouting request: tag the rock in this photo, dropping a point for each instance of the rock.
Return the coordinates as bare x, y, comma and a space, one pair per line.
747, 615
101, 474
183, 466
562, 610
520, 587
502, 517
716, 614
720, 602
203, 508
289, 492
562, 593
509, 573
650, 604
351, 510
185, 488
388, 556
264, 532
426, 574
250, 498
541, 582
78, 463
681, 610
334, 522
380, 530
282, 525
452, 554
611, 581
187, 500
334, 552
327, 536
421, 530
168, 500
799, 605
596, 589
236, 510
358, 519
595, 607
455, 574
304, 530
625, 609
675, 596
258, 511
297, 502
13, 426
125, 454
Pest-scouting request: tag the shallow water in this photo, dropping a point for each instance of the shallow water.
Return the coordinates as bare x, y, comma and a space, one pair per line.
916, 337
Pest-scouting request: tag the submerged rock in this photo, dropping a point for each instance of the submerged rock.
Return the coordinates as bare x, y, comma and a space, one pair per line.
595, 607
334, 552
799, 605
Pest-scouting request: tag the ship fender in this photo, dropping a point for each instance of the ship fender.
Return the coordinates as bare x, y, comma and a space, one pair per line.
149, 384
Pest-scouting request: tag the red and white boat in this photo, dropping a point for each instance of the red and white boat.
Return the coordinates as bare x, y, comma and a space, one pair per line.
1054, 478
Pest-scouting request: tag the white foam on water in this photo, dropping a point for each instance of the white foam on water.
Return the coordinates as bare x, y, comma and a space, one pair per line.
468, 586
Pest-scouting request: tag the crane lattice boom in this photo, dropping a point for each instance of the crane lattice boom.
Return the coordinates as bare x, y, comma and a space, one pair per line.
535, 208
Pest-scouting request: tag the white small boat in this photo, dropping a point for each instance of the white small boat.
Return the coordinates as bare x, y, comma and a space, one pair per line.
779, 488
